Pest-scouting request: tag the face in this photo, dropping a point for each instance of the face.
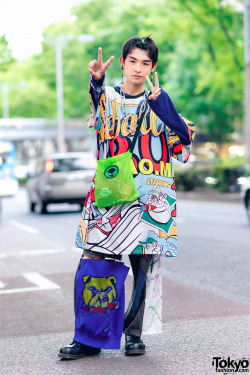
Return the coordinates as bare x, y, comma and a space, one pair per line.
153, 248
158, 200
136, 66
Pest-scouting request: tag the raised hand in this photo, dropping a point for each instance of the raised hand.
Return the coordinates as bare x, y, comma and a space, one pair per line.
97, 68
155, 90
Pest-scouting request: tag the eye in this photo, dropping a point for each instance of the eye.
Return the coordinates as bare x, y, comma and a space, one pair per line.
93, 289
107, 290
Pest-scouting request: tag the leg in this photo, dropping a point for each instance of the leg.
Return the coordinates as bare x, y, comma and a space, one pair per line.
133, 319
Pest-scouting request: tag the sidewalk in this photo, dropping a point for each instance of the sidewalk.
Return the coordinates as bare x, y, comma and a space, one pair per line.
185, 347
197, 326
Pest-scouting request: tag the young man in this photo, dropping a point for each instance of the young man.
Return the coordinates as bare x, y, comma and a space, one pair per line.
144, 228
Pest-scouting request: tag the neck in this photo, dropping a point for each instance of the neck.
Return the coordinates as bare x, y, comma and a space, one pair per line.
131, 89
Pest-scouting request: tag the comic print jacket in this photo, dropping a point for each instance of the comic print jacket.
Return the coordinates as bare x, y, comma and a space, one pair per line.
147, 225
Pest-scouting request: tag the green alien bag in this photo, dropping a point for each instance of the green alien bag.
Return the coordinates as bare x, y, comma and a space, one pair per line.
114, 182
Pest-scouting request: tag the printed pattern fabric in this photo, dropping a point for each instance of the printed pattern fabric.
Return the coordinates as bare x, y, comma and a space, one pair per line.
147, 225
100, 300
152, 319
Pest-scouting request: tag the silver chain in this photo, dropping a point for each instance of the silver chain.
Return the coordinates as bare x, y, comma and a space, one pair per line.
124, 112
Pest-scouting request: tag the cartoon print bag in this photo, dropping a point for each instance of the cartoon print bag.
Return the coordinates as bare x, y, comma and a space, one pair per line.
100, 302
114, 182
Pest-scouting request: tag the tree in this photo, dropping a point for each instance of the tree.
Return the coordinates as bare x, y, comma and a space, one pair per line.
5, 54
201, 58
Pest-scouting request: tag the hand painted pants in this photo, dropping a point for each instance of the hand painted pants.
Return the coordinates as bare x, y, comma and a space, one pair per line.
133, 318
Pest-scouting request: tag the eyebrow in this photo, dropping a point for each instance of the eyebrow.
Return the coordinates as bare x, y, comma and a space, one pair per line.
133, 58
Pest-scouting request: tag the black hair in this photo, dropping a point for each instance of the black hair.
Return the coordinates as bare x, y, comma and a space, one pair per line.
145, 43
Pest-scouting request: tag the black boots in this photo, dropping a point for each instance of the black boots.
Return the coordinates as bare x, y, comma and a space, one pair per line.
77, 350
134, 345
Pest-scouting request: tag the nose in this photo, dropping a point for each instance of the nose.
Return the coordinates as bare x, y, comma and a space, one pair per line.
138, 67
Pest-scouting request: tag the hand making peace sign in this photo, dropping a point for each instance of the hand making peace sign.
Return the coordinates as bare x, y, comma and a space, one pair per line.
155, 90
97, 68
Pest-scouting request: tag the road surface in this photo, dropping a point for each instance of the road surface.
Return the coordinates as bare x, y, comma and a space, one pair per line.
206, 301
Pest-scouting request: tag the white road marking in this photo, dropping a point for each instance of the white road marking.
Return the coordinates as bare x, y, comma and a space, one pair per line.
2, 284
34, 253
26, 228
41, 283
40, 252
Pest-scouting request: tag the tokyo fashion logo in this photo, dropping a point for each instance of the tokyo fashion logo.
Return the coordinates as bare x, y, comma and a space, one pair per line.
231, 366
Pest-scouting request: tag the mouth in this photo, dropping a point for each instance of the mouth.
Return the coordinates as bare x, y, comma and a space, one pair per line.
136, 76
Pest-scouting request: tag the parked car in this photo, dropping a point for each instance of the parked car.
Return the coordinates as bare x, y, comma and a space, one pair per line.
61, 178
245, 193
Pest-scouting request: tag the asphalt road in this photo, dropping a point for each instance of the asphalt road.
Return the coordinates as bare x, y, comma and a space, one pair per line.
206, 301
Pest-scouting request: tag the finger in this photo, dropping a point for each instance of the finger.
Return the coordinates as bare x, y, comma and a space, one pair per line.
156, 80
157, 91
150, 83
91, 71
100, 55
108, 62
154, 95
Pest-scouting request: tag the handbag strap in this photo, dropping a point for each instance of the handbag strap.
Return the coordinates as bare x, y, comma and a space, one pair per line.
139, 122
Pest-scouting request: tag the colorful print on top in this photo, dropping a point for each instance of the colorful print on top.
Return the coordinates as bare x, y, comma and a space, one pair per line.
147, 225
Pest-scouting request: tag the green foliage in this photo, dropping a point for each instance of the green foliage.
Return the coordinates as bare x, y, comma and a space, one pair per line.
200, 63
225, 175
5, 55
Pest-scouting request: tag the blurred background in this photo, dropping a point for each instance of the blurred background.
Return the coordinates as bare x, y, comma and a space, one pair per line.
47, 154
44, 100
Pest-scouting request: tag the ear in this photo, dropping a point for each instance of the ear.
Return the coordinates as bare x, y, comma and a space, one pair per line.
154, 67
112, 279
86, 278
121, 61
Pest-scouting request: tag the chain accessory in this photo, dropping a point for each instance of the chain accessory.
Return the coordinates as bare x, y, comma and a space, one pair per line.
124, 113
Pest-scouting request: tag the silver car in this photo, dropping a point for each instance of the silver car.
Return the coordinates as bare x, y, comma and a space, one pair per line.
61, 178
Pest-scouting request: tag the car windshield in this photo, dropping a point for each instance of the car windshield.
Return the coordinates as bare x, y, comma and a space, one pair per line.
72, 164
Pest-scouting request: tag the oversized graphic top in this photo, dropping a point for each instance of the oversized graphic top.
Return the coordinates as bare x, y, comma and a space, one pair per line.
147, 225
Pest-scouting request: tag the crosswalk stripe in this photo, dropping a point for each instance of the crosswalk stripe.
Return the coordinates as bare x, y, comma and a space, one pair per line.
26, 228
41, 283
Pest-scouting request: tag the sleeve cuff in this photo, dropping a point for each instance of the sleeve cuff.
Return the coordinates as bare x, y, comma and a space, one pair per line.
97, 83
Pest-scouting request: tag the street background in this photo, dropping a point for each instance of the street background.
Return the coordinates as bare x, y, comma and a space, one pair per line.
206, 301
204, 65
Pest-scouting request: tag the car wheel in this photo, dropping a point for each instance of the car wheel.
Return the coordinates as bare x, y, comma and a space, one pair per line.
42, 207
32, 206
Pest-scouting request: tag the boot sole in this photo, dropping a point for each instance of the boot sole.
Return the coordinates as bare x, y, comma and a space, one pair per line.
135, 352
76, 356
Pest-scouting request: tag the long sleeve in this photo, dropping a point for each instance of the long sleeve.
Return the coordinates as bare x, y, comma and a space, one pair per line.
180, 130
96, 91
